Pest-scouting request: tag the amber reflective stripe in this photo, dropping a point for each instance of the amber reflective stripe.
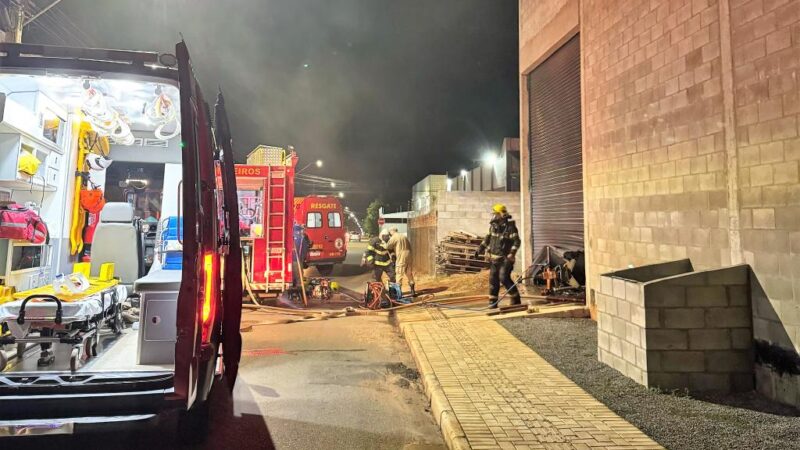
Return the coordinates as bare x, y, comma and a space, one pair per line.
382, 263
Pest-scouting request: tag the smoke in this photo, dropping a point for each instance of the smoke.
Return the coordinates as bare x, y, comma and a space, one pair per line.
384, 91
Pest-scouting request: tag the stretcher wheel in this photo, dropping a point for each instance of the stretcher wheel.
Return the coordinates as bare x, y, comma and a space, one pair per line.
46, 358
3, 360
75, 358
87, 347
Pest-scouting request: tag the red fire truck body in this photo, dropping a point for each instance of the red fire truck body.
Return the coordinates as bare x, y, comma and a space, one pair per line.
266, 220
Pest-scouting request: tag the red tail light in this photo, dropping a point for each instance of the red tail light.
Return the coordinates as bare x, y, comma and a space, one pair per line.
209, 304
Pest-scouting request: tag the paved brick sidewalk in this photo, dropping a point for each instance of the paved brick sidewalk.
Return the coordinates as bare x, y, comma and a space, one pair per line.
489, 390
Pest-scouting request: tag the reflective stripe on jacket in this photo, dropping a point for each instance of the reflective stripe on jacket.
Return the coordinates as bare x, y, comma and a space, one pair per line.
377, 253
503, 237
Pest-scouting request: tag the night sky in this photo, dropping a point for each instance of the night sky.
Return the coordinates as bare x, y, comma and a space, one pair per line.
384, 91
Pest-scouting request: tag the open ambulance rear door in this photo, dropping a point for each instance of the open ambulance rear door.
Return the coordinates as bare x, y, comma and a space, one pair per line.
232, 271
201, 317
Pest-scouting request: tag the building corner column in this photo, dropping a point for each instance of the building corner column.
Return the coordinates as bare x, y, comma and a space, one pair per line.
729, 133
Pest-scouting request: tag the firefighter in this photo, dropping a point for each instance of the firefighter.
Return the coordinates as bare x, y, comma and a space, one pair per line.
400, 247
377, 256
502, 243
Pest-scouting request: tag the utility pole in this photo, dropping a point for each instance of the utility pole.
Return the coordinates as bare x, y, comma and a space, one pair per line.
19, 21
18, 10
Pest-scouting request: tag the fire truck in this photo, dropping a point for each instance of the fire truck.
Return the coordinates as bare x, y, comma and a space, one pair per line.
265, 187
323, 219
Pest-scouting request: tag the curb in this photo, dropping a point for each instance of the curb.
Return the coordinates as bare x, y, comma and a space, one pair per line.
442, 411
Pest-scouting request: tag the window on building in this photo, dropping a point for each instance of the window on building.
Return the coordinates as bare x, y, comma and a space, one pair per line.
314, 220
334, 220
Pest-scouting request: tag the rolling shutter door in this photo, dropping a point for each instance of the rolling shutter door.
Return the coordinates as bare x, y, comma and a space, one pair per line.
556, 166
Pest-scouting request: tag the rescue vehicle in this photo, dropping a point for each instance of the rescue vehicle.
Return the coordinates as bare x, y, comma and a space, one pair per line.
265, 193
324, 220
74, 350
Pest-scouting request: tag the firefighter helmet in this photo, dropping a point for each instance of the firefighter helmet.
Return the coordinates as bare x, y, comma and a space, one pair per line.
499, 208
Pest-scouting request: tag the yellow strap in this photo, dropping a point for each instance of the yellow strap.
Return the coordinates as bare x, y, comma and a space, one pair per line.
95, 286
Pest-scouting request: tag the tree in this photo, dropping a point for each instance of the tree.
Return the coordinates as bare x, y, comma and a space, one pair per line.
371, 226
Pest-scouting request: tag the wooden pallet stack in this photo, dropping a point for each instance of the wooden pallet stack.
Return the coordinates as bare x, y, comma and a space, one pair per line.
456, 254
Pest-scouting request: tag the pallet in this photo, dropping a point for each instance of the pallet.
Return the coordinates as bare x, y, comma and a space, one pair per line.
454, 254
460, 269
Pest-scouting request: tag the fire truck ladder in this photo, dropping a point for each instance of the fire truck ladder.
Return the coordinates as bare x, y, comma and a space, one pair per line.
276, 228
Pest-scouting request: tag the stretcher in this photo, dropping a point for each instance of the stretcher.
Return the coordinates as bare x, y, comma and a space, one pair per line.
42, 316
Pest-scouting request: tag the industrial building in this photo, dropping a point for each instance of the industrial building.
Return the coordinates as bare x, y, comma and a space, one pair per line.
655, 131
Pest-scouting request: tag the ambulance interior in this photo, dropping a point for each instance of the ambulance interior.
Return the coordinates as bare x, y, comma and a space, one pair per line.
98, 161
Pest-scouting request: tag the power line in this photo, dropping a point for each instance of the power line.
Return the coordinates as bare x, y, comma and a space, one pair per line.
50, 30
79, 31
68, 36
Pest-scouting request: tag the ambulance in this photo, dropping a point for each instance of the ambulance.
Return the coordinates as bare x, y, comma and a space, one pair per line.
122, 143
323, 218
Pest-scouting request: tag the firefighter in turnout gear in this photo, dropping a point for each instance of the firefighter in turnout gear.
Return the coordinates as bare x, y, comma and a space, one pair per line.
377, 257
501, 244
400, 247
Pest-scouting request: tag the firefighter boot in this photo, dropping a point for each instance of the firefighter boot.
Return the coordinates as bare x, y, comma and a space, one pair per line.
515, 299
413, 291
493, 302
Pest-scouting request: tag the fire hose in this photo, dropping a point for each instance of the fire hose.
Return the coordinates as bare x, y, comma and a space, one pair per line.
310, 315
525, 276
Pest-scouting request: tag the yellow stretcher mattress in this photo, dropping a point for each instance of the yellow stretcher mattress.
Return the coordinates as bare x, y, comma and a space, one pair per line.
95, 287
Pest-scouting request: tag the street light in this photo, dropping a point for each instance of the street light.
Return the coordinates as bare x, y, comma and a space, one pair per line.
319, 163
333, 185
341, 194
464, 172
490, 158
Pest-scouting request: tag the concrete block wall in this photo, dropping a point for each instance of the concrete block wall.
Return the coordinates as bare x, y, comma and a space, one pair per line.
765, 38
468, 211
621, 326
653, 139
686, 331
472, 211
699, 331
622, 317
691, 144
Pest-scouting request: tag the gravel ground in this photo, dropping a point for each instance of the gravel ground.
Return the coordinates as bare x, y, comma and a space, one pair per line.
675, 420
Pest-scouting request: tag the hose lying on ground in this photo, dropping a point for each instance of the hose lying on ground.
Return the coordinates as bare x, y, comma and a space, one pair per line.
311, 315
499, 299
